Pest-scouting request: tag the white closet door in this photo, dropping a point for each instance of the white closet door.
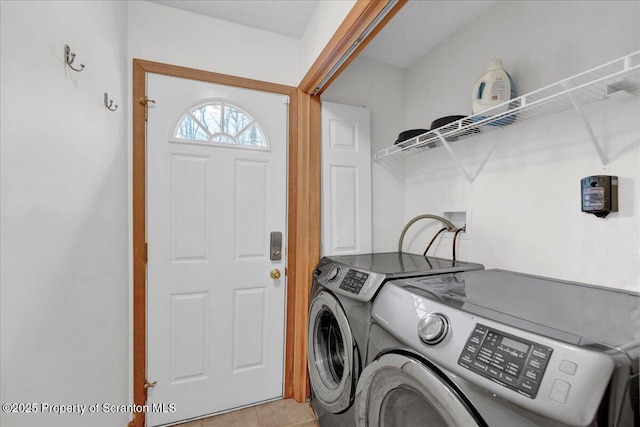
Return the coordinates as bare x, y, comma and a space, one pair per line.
346, 179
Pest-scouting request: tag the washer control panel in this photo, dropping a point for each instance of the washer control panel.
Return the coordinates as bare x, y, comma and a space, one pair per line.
354, 281
357, 284
508, 360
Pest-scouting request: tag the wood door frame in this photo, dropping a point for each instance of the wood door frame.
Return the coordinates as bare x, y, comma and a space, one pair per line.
303, 198
308, 173
140, 70
349, 33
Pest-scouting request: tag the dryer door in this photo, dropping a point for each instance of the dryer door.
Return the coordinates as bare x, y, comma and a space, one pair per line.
330, 354
397, 390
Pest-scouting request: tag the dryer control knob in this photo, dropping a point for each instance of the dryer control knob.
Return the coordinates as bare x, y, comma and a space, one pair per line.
332, 275
433, 328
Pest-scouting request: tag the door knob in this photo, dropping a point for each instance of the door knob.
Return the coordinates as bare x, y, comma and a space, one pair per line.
275, 274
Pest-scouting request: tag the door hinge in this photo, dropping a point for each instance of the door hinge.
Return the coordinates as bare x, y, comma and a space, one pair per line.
147, 384
146, 252
146, 101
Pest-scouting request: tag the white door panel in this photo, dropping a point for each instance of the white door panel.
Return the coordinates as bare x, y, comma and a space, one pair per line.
344, 209
215, 317
189, 204
346, 179
250, 205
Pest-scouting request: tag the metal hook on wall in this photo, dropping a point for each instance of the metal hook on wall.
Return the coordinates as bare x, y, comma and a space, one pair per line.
109, 103
69, 57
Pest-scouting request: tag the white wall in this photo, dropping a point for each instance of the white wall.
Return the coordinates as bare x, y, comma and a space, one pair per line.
380, 88
526, 202
64, 274
64, 271
164, 34
173, 36
321, 27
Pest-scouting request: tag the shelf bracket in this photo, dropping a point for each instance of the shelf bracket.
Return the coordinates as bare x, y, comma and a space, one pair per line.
455, 158
594, 139
470, 178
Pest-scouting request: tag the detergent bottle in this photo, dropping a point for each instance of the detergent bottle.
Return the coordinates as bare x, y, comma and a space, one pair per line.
493, 88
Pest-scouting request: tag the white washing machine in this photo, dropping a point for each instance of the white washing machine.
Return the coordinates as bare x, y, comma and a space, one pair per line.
497, 348
340, 317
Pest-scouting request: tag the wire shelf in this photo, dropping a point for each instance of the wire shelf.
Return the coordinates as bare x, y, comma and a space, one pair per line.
592, 85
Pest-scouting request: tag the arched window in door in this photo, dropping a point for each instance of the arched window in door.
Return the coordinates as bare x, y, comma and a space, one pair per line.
220, 123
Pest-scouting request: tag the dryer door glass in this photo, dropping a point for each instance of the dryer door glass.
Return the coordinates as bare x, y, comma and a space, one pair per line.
407, 407
399, 391
329, 351
331, 354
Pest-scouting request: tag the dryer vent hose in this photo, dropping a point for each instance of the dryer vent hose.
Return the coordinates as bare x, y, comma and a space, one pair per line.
446, 222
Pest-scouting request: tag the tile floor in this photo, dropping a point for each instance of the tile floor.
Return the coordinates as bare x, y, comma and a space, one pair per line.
280, 413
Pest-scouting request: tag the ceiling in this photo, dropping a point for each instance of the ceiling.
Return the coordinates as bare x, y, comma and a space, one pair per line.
285, 17
417, 28
420, 26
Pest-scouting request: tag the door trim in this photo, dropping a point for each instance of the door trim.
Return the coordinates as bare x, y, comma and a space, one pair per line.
140, 70
348, 35
305, 176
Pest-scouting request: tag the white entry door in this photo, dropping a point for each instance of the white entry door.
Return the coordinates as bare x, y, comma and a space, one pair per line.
216, 188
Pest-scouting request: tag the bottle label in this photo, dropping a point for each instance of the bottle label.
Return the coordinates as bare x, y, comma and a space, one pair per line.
499, 90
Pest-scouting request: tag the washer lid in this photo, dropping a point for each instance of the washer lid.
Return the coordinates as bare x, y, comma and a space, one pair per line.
589, 313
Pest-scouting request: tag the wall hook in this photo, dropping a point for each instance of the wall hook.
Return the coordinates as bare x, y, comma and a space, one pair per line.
109, 103
69, 57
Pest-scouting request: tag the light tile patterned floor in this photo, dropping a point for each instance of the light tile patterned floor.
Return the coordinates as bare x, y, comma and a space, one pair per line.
281, 413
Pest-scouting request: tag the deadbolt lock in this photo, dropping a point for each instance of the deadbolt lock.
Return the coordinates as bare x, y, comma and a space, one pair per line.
275, 246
